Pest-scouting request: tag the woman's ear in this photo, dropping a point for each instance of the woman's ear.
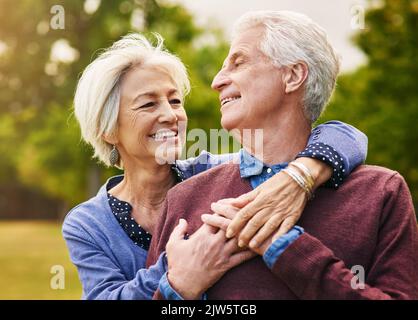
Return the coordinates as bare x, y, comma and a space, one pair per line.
111, 139
295, 76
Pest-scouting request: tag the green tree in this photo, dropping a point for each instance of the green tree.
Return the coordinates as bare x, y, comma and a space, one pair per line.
381, 98
37, 88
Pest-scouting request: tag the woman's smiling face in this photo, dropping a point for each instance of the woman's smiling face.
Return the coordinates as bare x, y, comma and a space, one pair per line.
152, 121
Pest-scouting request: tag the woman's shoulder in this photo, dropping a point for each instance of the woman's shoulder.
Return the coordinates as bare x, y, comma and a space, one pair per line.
84, 210
87, 215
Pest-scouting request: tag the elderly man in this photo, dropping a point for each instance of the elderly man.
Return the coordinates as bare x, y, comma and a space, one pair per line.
278, 77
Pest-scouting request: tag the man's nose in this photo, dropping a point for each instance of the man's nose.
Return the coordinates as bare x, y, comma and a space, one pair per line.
220, 81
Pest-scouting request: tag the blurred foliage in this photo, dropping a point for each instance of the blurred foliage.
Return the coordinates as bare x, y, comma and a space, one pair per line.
381, 98
40, 140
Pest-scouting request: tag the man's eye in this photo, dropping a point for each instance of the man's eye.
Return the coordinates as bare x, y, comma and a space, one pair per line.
175, 101
238, 63
147, 105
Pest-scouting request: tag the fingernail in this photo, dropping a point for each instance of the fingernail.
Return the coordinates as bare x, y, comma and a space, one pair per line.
229, 234
253, 244
241, 244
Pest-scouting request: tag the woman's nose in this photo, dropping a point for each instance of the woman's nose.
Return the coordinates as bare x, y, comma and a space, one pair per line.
167, 113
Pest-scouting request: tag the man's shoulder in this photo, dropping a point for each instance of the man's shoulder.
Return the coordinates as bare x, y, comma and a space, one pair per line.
371, 174
372, 181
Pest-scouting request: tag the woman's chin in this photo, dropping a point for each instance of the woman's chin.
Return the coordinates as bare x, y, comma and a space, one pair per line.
168, 155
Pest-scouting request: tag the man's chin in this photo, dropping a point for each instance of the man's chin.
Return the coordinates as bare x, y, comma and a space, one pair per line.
228, 124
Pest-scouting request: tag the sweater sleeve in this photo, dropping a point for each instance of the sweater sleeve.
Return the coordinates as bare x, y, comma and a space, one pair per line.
312, 271
101, 277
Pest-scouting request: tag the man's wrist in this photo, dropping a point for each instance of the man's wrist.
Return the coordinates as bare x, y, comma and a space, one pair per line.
280, 245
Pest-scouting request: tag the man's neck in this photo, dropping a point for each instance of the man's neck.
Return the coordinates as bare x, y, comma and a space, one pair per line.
283, 138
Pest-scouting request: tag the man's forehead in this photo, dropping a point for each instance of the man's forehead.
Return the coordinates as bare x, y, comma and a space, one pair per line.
245, 49
242, 44
246, 41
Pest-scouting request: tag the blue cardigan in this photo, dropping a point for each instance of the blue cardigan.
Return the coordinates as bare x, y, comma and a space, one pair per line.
111, 266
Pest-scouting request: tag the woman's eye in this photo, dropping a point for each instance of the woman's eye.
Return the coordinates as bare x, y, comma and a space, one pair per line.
175, 101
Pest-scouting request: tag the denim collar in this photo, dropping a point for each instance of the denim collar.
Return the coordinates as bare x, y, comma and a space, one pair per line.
251, 166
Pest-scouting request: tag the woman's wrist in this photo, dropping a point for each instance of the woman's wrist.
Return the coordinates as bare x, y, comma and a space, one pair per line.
177, 284
320, 171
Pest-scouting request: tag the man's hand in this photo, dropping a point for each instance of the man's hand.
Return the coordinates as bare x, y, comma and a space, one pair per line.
195, 264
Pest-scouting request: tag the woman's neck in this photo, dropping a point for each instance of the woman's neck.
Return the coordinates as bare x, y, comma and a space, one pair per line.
144, 187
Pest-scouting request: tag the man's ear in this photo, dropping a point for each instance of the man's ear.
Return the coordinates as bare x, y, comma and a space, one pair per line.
295, 76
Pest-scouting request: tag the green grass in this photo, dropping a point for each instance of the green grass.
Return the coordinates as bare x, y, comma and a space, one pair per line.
28, 250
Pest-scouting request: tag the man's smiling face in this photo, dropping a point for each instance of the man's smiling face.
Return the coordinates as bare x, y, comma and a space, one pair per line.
250, 87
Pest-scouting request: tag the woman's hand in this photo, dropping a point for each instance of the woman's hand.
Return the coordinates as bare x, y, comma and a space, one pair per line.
273, 208
223, 221
195, 264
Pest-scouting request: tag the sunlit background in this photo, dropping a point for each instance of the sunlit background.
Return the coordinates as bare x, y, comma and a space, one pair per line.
44, 167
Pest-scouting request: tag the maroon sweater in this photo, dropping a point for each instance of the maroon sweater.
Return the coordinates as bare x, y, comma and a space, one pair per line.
368, 221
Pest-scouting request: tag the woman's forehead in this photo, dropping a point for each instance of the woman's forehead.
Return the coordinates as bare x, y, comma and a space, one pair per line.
148, 79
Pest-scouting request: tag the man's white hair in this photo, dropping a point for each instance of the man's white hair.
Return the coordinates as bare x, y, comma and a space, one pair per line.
97, 97
291, 37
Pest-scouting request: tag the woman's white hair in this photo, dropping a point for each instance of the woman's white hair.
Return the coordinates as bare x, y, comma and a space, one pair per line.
291, 37
97, 97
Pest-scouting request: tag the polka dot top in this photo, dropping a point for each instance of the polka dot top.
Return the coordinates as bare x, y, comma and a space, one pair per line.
122, 211
330, 156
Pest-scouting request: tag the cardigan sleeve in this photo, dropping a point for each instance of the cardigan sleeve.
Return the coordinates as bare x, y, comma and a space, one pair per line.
101, 277
312, 271
348, 143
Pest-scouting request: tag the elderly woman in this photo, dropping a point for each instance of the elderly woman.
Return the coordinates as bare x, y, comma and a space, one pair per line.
129, 103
